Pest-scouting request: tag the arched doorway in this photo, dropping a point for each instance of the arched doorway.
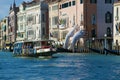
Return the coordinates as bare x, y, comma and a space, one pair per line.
109, 38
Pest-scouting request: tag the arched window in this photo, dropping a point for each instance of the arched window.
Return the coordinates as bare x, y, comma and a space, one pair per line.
93, 19
108, 17
93, 33
108, 32
81, 1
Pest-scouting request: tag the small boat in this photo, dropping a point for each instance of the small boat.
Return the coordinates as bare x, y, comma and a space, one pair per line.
33, 48
116, 52
95, 50
63, 50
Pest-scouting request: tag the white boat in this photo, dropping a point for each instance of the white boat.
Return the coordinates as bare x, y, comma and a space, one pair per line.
33, 48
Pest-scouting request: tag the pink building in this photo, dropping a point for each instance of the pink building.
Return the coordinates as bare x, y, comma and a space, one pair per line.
72, 17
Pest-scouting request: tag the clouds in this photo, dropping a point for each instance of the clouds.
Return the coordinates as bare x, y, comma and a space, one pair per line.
5, 5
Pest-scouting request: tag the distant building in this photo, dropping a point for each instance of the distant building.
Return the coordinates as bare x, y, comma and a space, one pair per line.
13, 23
65, 14
4, 33
33, 21
105, 20
53, 20
116, 24
21, 22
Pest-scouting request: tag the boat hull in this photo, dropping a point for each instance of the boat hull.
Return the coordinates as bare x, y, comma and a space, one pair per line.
116, 52
45, 54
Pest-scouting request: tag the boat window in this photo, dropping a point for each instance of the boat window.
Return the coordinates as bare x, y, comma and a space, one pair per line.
37, 43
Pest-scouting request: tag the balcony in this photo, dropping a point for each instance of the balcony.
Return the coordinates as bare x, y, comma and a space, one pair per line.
20, 31
20, 39
54, 26
62, 26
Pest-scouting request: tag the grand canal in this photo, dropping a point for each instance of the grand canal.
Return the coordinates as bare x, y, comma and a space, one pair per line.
62, 67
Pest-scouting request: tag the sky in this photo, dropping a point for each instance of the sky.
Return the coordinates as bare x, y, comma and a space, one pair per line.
5, 5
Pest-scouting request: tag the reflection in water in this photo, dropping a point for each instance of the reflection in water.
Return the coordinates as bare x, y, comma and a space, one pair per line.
60, 67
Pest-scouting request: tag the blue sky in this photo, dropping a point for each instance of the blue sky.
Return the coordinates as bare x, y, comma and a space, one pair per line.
5, 5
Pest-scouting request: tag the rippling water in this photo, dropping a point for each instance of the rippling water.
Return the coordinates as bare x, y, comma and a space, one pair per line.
61, 67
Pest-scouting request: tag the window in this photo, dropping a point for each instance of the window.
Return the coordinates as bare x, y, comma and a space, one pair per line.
81, 19
64, 5
21, 26
63, 22
73, 2
64, 34
20, 35
93, 33
93, 20
108, 17
34, 19
81, 1
43, 31
60, 6
4, 28
73, 20
117, 42
21, 18
54, 20
93, 1
69, 3
108, 1
43, 18
108, 32
4, 37
30, 19
30, 32
55, 34
55, 7
117, 14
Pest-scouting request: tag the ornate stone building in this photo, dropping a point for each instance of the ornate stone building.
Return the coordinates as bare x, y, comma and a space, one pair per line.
116, 25
13, 23
33, 21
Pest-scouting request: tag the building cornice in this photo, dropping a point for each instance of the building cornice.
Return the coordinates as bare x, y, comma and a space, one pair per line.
117, 3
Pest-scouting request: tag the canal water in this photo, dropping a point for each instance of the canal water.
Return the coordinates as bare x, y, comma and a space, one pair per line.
61, 67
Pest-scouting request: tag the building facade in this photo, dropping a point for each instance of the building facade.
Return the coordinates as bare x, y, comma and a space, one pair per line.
116, 24
13, 23
105, 17
105, 20
21, 22
53, 20
4, 33
69, 13
35, 21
